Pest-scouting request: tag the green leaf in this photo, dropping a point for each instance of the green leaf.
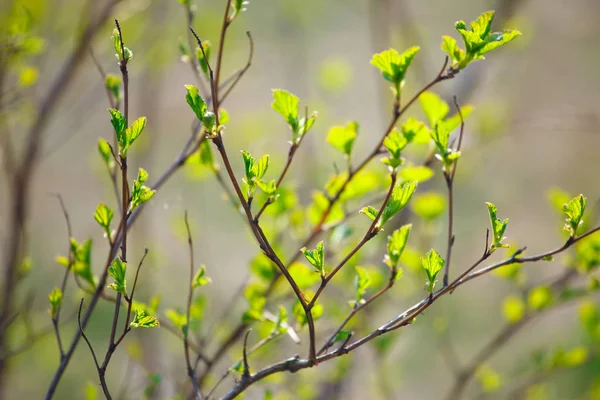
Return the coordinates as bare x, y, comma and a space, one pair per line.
370, 212
341, 336
196, 102
140, 193
498, 228
319, 205
55, 298
394, 142
176, 318
574, 210
269, 188
209, 121
223, 116
298, 311
135, 130
117, 270
116, 38
396, 244
478, 40
415, 131
143, 320
513, 309
434, 107
104, 216
260, 167
120, 125
237, 7
91, 391
429, 206
342, 137
281, 321
361, 282
398, 200
286, 104
450, 47
539, 298
432, 263
113, 85
106, 153
202, 62
316, 257
393, 65
590, 318
82, 258
303, 275
200, 278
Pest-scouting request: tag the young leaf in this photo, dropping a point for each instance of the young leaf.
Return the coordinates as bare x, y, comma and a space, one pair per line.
200, 279
394, 65
316, 257
106, 153
281, 322
200, 57
113, 85
370, 212
434, 107
237, 7
55, 298
574, 210
361, 282
498, 228
478, 40
103, 216
135, 130
342, 137
140, 193
398, 200
117, 270
432, 264
286, 104
82, 258
394, 142
395, 246
300, 315
269, 188
196, 102
143, 320
116, 38
120, 125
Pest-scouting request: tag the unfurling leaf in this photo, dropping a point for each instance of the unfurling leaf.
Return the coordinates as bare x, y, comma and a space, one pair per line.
393, 65
200, 279
574, 210
286, 104
55, 298
478, 39
342, 137
316, 257
140, 193
395, 246
498, 228
432, 263
398, 200
143, 320
117, 270
361, 282
196, 102
103, 216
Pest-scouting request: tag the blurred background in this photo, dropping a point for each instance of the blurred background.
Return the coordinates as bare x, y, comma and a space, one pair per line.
534, 128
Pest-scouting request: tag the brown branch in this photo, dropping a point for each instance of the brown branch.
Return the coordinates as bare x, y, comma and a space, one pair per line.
186, 347
295, 364
21, 185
